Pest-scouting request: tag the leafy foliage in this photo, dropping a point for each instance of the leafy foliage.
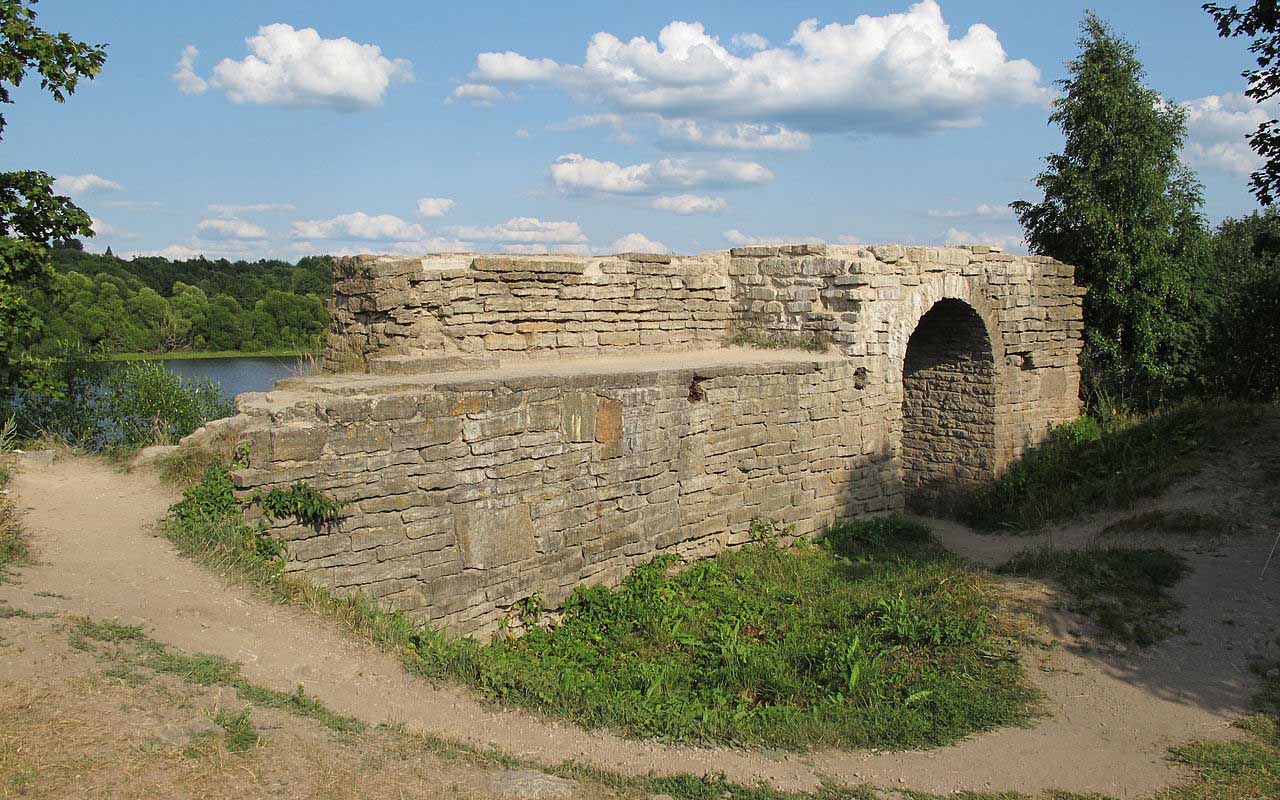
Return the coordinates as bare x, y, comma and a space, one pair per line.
1243, 350
153, 305
208, 521
1120, 206
1260, 22
144, 404
302, 502
31, 215
98, 405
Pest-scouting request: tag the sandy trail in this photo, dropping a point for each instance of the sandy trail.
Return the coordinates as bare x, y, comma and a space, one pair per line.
1109, 718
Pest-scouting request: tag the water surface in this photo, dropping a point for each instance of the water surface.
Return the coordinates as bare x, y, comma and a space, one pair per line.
240, 374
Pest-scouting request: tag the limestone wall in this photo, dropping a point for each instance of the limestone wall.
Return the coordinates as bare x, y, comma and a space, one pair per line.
515, 425
469, 495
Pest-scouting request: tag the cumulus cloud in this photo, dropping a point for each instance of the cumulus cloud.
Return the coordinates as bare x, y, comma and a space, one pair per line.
294, 67
1009, 242
577, 173
615, 123
185, 73
230, 229
1216, 129
686, 204
75, 185
899, 72
230, 210
736, 237
982, 210
523, 231
434, 206
359, 227
101, 228
749, 41
740, 136
638, 243
477, 94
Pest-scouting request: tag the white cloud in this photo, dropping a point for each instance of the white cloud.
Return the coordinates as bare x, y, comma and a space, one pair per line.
736, 237
740, 136
101, 228
523, 231
522, 133
512, 67
1216, 129
359, 227
638, 243
1009, 242
898, 72
434, 206
982, 210
577, 173
296, 67
689, 203
229, 210
849, 238
479, 94
230, 229
185, 73
75, 185
749, 41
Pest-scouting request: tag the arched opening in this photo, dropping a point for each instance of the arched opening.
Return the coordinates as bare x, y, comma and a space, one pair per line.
948, 404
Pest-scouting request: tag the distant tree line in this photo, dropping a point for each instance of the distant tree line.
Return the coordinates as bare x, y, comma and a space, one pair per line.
154, 305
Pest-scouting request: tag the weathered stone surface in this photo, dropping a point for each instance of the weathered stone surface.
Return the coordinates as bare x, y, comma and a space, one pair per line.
493, 536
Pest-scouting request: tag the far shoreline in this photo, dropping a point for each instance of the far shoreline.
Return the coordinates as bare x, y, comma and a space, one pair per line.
196, 355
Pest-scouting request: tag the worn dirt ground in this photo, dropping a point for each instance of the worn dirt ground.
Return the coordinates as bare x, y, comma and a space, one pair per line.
1110, 714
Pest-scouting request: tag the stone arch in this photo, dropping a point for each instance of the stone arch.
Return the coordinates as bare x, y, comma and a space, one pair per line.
950, 396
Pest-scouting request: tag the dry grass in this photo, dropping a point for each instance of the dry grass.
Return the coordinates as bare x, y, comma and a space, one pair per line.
79, 725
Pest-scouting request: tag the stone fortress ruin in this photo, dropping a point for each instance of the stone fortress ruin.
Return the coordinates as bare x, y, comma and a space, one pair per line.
504, 426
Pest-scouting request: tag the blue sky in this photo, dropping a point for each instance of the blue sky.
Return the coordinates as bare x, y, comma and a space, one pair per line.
292, 128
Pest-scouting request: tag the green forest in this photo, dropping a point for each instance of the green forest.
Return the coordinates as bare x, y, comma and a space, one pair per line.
102, 303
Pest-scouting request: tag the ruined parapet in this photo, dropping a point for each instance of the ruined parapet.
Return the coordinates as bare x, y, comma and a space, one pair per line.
510, 425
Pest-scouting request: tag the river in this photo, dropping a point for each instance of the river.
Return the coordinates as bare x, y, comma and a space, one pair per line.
240, 374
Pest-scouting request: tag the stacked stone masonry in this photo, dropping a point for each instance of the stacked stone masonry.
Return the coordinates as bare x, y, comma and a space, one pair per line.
505, 426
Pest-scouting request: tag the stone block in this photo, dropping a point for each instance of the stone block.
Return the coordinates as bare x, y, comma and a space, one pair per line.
490, 535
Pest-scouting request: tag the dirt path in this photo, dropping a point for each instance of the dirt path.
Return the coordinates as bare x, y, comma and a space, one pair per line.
1110, 718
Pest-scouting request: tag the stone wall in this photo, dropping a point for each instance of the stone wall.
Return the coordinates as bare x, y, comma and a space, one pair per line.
516, 425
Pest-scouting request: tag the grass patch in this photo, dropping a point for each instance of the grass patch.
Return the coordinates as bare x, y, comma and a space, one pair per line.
240, 733
132, 650
1126, 591
876, 638
187, 465
1089, 464
1178, 522
13, 539
813, 342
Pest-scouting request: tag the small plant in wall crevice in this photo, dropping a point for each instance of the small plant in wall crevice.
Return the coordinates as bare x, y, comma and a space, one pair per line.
303, 502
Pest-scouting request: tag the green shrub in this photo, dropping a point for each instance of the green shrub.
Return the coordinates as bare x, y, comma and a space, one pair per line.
145, 404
